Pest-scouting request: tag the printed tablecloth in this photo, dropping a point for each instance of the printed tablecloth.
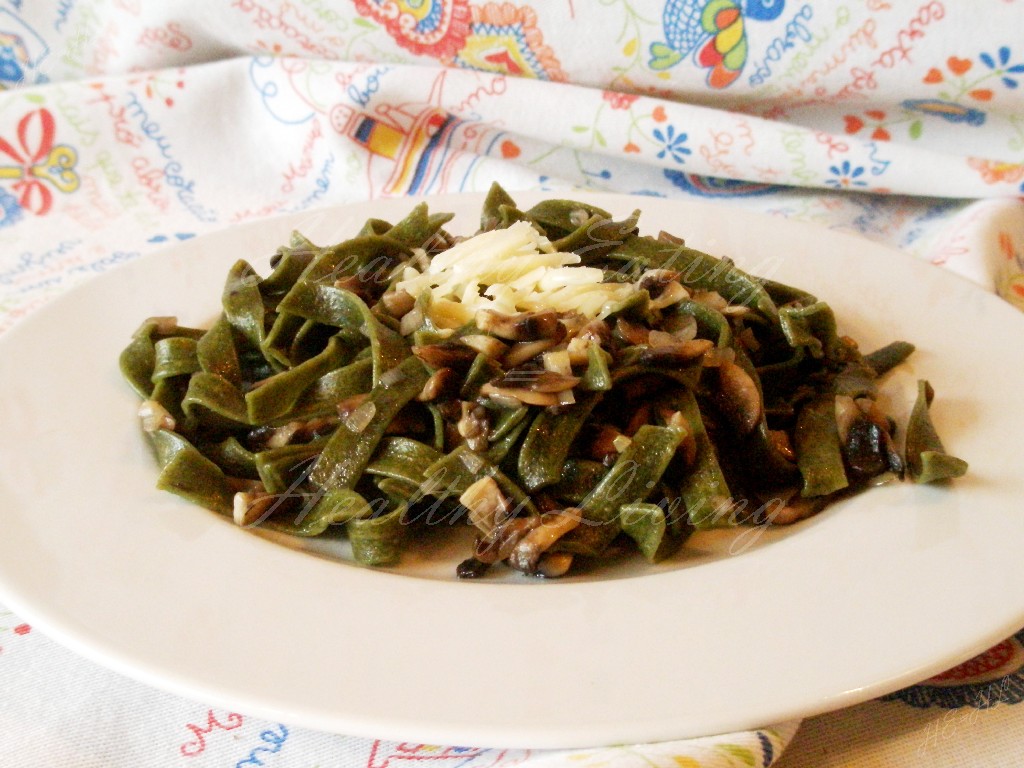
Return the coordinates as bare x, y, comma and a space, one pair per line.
125, 127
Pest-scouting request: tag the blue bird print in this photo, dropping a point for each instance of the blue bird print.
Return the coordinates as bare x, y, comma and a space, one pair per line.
713, 32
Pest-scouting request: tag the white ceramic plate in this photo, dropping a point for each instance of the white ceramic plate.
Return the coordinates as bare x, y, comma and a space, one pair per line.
876, 593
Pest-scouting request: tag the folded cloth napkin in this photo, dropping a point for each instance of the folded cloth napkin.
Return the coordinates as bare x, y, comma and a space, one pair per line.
124, 128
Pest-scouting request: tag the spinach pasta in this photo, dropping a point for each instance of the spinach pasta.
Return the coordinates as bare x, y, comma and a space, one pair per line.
565, 385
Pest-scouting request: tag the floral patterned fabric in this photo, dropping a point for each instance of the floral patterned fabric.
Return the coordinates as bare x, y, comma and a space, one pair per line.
127, 126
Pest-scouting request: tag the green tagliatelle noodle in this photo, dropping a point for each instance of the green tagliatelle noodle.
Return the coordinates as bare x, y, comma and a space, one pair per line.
586, 391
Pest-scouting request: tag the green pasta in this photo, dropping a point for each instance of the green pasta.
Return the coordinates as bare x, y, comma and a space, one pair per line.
598, 392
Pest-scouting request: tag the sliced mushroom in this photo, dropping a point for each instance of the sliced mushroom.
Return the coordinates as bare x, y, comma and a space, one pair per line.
672, 293
398, 303
552, 565
499, 543
553, 525
518, 395
525, 326
739, 397
682, 326
292, 432
522, 351
687, 449
712, 299
474, 425
486, 345
447, 354
662, 339
537, 380
631, 333
677, 353
654, 281
443, 384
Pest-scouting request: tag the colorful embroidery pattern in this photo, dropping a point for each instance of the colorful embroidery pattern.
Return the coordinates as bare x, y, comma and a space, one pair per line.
21, 50
13, 58
712, 186
507, 39
964, 85
435, 28
714, 32
35, 163
995, 172
993, 677
384, 754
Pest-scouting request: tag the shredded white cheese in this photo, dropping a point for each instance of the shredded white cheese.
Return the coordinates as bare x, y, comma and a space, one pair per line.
510, 270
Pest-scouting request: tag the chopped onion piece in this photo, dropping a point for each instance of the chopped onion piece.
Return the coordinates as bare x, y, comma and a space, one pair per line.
360, 418
155, 417
558, 361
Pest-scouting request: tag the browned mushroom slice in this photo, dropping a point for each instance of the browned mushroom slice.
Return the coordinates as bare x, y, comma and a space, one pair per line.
525, 326
499, 543
485, 345
654, 281
539, 380
526, 350
447, 354
443, 384
552, 565
664, 288
398, 303
677, 353
519, 395
631, 333
739, 397
473, 426
527, 552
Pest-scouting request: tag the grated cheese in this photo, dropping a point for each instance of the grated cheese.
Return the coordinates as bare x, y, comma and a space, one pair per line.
510, 270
